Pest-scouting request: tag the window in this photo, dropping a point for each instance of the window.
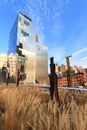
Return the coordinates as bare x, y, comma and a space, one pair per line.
26, 23
22, 38
22, 68
24, 33
19, 18
21, 26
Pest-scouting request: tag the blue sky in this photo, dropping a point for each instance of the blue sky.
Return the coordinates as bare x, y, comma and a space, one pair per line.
61, 25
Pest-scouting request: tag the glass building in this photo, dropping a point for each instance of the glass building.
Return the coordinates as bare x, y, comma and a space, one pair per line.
31, 56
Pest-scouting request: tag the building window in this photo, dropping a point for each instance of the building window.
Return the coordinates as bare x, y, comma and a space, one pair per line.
21, 26
26, 23
22, 38
22, 68
24, 33
19, 18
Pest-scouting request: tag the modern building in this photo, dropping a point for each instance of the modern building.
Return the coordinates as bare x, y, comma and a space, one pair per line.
41, 75
31, 55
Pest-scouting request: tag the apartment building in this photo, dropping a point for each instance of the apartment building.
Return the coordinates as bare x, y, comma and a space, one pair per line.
3, 60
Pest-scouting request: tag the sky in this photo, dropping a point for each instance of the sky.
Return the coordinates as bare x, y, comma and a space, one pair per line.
60, 24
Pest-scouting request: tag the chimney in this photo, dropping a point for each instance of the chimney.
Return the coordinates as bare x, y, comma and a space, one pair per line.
37, 38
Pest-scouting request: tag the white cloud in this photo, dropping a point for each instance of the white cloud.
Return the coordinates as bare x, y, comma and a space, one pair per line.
83, 59
78, 52
79, 63
42, 12
57, 53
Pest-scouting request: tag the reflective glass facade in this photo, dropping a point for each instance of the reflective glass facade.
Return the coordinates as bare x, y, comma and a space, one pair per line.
13, 39
31, 55
41, 64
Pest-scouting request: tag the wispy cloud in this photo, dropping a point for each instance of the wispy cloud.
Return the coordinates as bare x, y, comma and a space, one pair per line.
46, 12
71, 36
79, 63
78, 52
57, 53
83, 59
42, 12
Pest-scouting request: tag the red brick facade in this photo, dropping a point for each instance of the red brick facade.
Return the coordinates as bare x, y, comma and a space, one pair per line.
77, 79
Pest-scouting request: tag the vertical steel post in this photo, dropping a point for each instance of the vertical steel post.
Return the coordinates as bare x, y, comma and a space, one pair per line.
7, 78
7, 73
56, 89
68, 71
53, 81
52, 75
18, 78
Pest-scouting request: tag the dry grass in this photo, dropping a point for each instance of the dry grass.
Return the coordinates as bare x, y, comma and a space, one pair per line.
30, 108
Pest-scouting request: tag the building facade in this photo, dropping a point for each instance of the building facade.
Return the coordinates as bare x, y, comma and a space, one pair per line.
31, 55
12, 63
3, 60
41, 63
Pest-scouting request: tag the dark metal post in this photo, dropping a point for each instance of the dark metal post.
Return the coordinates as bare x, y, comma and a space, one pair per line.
7, 73
18, 78
7, 78
53, 81
68, 71
56, 89
52, 69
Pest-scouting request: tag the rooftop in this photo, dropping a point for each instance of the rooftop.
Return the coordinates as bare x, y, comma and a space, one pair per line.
25, 16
